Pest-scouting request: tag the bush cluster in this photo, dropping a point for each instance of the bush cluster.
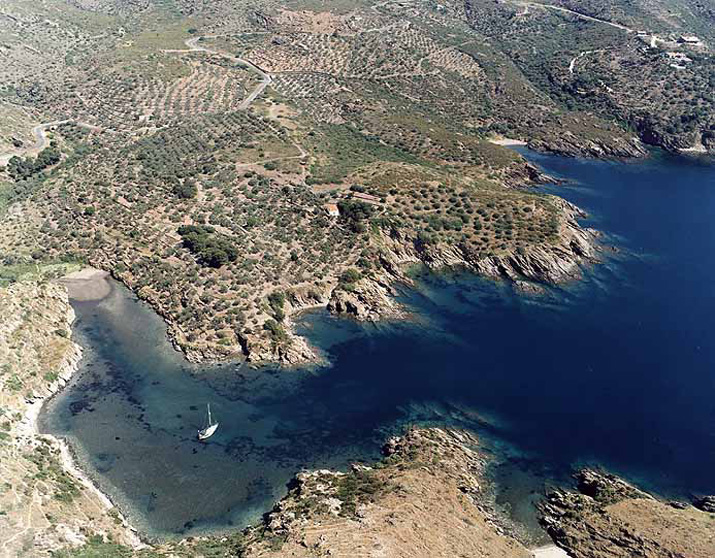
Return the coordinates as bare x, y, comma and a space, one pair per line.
211, 249
355, 213
21, 168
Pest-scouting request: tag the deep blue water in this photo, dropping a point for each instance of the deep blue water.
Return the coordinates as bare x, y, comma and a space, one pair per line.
617, 370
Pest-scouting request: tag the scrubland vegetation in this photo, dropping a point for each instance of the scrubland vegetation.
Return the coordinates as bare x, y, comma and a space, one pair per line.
234, 163
208, 210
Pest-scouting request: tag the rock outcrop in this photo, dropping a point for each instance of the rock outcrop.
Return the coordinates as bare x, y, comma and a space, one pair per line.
608, 517
415, 503
288, 349
369, 299
569, 145
705, 503
549, 263
372, 298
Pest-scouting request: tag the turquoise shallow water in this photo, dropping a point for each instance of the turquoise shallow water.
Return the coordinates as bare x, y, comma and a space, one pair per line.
617, 370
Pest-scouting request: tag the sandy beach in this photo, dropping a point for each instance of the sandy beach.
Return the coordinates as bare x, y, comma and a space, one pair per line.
506, 142
549, 551
87, 284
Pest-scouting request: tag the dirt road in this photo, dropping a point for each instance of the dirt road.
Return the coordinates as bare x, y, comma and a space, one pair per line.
41, 142
576, 14
266, 78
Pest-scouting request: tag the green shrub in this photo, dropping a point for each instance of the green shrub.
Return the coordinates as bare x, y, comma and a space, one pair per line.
186, 189
20, 168
276, 300
355, 213
211, 249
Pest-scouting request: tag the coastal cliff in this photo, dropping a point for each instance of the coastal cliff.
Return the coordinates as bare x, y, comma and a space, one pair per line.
569, 144
372, 297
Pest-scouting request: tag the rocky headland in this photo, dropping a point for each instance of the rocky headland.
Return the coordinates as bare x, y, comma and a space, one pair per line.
371, 297
428, 497
608, 517
551, 263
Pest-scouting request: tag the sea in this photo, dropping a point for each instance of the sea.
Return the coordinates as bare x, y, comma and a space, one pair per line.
616, 370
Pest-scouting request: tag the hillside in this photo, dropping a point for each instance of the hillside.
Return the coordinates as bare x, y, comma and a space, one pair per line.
236, 164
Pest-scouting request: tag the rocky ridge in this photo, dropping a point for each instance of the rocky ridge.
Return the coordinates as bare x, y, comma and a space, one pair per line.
413, 503
608, 517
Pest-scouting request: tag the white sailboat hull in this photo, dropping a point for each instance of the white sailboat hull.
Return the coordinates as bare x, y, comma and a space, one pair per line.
208, 431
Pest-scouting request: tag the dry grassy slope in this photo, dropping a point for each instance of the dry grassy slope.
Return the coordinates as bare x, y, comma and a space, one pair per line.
609, 518
423, 501
43, 507
16, 125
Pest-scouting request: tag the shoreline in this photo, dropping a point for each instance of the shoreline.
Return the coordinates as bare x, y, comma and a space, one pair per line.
87, 285
28, 427
72, 465
549, 551
134, 537
93, 285
507, 142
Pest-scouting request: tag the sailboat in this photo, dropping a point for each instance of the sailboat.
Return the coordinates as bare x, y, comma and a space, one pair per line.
211, 427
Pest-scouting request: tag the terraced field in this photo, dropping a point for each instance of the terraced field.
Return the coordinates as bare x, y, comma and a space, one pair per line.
235, 163
257, 127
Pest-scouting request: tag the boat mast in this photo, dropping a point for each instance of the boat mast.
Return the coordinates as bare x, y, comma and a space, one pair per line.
209, 407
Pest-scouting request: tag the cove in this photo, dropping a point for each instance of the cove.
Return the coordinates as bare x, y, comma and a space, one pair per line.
617, 370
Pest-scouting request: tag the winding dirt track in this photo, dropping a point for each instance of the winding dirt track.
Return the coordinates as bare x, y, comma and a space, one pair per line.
39, 132
40, 142
574, 13
266, 78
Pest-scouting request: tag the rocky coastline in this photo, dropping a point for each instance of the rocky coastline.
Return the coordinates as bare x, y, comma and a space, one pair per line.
426, 475
50, 519
373, 297
567, 144
413, 502
608, 517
